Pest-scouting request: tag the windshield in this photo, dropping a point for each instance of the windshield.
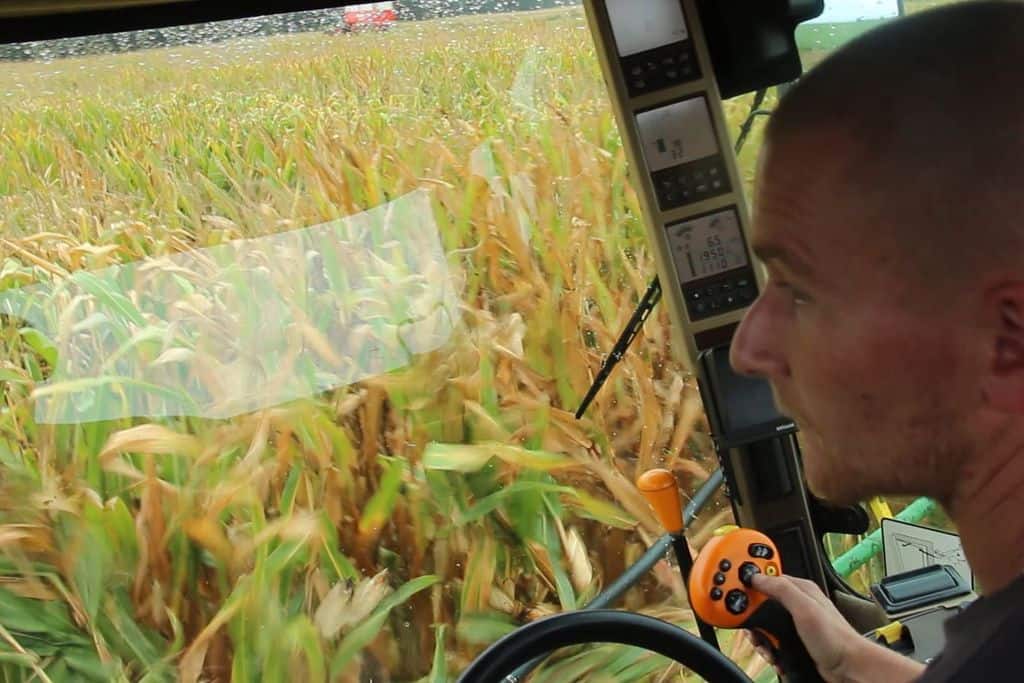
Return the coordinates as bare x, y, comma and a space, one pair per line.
296, 312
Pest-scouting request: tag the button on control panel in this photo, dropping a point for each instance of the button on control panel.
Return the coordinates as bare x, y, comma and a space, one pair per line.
726, 293
736, 601
691, 182
660, 68
747, 571
720, 582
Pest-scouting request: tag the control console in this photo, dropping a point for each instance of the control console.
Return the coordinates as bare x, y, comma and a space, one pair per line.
722, 594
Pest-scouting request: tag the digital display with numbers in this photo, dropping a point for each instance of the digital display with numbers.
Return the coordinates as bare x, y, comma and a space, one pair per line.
641, 25
676, 134
707, 246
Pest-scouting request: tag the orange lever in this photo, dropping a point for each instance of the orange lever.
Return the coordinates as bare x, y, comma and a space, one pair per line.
660, 489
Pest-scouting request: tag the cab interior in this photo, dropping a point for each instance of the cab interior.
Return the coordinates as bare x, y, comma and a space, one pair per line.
297, 311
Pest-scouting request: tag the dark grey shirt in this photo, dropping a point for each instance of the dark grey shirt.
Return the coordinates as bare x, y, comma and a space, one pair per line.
985, 642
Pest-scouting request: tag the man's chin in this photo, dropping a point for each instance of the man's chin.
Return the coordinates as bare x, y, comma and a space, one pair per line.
832, 490
826, 482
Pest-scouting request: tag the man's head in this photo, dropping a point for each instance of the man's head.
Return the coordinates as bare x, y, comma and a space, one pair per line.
890, 215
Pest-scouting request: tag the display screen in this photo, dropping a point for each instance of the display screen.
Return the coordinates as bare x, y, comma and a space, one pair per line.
707, 246
676, 134
641, 25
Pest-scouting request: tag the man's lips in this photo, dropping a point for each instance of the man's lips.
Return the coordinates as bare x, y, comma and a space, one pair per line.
784, 409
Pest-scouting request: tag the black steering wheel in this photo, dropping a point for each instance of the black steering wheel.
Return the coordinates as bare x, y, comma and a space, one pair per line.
602, 626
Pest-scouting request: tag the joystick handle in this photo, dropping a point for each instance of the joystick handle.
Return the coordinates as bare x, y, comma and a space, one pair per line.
660, 489
722, 595
773, 628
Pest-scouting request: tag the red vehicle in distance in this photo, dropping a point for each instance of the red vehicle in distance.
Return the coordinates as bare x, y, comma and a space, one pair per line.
378, 16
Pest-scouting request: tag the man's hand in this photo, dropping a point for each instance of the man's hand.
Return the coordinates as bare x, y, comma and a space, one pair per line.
841, 654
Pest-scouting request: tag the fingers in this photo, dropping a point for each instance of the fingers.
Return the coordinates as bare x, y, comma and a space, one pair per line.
787, 589
797, 600
812, 589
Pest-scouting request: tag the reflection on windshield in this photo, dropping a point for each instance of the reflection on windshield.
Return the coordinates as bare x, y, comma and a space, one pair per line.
253, 323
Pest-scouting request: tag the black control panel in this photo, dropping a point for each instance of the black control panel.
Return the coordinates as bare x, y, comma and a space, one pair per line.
691, 182
727, 292
792, 547
660, 68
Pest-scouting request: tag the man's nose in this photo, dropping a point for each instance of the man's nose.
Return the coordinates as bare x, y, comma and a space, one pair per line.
756, 346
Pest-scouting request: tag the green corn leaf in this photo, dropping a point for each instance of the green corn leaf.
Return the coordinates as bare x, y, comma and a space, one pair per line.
291, 487
363, 635
35, 616
484, 628
107, 293
380, 506
439, 668
41, 344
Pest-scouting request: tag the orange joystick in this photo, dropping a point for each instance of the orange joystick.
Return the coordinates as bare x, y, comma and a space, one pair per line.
662, 493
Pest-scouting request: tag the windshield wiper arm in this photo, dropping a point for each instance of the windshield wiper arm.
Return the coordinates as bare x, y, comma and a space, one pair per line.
647, 303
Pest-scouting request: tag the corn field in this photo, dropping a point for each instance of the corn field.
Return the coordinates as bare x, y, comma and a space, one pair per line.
385, 525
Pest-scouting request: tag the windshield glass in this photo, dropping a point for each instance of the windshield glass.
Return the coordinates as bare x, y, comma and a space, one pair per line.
296, 312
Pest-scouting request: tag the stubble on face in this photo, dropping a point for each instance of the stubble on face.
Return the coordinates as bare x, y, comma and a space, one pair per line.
872, 380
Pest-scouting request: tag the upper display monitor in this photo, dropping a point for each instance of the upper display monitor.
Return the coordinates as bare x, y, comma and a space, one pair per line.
642, 25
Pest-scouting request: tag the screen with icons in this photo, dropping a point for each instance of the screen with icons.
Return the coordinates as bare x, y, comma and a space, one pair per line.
655, 48
642, 25
676, 134
707, 246
679, 147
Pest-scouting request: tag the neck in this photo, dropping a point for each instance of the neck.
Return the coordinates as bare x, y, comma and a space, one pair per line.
987, 506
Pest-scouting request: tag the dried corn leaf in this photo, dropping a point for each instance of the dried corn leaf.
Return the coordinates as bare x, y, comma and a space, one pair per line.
209, 534
150, 439
29, 588
580, 570
627, 495
472, 457
481, 567
484, 425
346, 606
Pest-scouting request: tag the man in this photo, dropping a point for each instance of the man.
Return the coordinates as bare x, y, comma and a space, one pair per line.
890, 216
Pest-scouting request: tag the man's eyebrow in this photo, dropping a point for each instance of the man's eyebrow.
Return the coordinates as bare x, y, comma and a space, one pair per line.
784, 257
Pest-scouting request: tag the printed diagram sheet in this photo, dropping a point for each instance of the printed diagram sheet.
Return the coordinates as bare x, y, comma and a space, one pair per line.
911, 546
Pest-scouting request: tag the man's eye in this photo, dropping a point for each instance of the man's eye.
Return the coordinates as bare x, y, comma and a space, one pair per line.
798, 297
795, 296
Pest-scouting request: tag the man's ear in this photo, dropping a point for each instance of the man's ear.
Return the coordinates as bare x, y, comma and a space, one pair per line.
1004, 382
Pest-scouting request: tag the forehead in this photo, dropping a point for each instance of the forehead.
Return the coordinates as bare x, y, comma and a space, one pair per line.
806, 203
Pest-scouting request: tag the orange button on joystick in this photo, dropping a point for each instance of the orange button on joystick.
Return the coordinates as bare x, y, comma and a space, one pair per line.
662, 493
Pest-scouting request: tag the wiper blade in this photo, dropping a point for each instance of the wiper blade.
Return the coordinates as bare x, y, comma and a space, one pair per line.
636, 321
